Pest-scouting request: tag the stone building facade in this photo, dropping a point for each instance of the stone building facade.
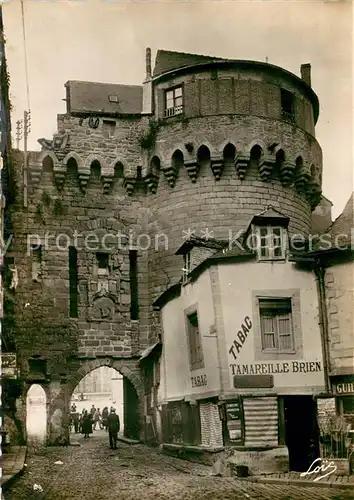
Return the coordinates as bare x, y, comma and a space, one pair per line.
203, 146
338, 442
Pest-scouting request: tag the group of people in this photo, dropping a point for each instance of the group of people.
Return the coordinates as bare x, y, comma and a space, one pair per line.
87, 421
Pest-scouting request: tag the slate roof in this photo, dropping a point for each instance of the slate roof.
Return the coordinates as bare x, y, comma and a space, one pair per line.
338, 237
344, 223
234, 251
198, 241
150, 350
271, 215
167, 60
92, 97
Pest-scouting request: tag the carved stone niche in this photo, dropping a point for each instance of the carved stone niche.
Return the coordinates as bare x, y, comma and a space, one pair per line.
103, 309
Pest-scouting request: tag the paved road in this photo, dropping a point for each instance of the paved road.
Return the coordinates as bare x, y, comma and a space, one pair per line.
94, 472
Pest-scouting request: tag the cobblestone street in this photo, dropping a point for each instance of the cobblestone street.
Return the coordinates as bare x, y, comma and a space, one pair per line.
94, 472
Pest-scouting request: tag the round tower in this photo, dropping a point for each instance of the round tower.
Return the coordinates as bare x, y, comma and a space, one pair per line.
230, 139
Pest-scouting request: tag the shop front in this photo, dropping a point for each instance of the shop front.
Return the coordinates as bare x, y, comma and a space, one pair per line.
336, 424
343, 388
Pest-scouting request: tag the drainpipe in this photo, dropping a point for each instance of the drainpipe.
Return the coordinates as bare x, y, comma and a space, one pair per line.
323, 321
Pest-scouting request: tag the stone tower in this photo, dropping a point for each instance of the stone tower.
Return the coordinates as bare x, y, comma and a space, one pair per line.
203, 145
240, 137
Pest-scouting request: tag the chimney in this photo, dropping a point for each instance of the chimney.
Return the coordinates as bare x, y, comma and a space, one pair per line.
148, 63
147, 86
306, 73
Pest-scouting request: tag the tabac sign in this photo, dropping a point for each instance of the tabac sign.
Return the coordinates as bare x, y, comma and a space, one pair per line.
9, 365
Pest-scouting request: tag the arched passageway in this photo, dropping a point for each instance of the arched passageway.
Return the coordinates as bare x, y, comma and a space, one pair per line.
36, 416
106, 387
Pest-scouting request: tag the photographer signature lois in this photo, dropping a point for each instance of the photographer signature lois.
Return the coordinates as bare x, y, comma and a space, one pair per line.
322, 466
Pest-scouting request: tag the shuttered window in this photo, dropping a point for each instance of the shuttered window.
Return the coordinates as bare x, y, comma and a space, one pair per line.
276, 324
195, 344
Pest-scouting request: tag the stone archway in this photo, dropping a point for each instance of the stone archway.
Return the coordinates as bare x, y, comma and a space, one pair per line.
132, 390
128, 368
60, 393
36, 416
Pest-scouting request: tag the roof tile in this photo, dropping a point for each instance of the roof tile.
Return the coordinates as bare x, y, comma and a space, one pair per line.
92, 97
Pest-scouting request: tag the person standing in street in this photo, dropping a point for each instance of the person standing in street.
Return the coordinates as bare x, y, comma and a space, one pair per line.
86, 424
96, 418
105, 413
113, 428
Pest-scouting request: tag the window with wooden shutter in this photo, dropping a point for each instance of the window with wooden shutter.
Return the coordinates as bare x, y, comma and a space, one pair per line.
195, 344
276, 324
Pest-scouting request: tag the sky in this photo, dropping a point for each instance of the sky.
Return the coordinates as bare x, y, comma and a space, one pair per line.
105, 41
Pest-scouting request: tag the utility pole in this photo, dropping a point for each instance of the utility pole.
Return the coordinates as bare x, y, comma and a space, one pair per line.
19, 130
26, 131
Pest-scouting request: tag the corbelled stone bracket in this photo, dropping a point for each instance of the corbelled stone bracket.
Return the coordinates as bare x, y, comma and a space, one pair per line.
129, 184
241, 164
266, 165
192, 168
217, 165
302, 178
287, 173
35, 174
107, 183
59, 176
83, 180
313, 193
152, 180
171, 175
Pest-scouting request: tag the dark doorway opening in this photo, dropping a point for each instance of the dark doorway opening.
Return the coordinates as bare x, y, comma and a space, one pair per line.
301, 431
131, 410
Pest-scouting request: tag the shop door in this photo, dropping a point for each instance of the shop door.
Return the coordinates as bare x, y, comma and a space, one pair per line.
301, 431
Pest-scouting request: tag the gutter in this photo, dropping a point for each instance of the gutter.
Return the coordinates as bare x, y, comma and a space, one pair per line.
319, 271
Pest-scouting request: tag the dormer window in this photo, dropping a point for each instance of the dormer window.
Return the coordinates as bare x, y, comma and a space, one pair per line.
174, 101
268, 234
271, 242
186, 267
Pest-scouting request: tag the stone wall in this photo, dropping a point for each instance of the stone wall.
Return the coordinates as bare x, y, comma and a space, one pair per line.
340, 303
117, 175
236, 91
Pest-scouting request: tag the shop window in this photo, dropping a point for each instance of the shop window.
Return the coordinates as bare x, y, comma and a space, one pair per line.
195, 345
181, 423
271, 243
176, 422
287, 105
276, 324
348, 409
231, 414
174, 101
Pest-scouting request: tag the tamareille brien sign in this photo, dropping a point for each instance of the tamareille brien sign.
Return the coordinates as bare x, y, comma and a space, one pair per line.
9, 365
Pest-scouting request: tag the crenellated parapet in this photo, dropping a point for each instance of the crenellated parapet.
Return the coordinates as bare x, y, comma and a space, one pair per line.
108, 173
273, 164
